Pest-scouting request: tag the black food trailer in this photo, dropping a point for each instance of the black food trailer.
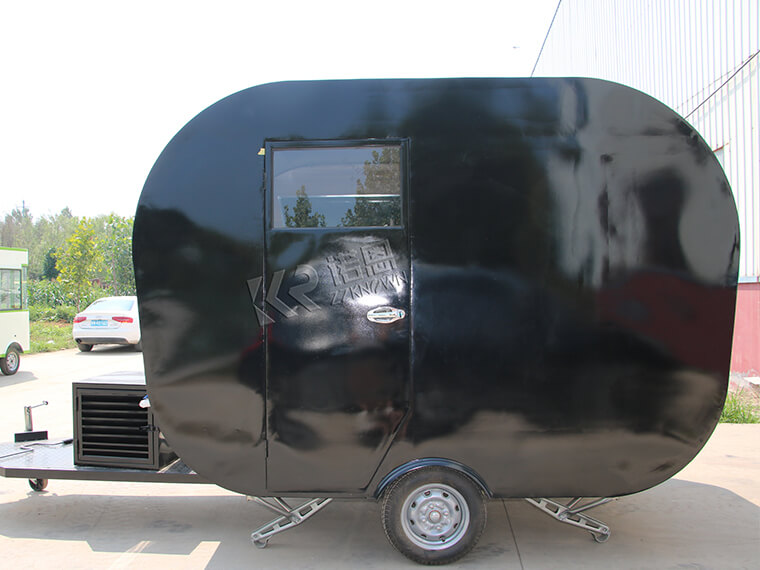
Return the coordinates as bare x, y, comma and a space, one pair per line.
432, 292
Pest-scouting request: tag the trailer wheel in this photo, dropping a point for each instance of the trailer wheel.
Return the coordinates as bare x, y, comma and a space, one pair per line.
434, 515
38, 484
10, 362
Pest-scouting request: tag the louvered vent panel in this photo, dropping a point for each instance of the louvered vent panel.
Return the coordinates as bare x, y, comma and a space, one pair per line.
111, 426
112, 429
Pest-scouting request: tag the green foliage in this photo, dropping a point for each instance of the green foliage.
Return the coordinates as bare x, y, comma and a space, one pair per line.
47, 237
79, 262
740, 408
49, 270
48, 293
55, 294
382, 176
61, 313
65, 313
115, 244
91, 294
47, 336
302, 216
19, 229
41, 313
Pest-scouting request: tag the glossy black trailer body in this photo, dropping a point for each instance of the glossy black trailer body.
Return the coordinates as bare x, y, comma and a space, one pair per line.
566, 260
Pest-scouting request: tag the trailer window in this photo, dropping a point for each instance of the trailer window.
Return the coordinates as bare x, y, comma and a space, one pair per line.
10, 290
348, 186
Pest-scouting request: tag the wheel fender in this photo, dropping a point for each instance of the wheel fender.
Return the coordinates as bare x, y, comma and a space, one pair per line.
11, 345
431, 462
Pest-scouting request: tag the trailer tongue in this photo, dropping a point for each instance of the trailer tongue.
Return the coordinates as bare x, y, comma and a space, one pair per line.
41, 461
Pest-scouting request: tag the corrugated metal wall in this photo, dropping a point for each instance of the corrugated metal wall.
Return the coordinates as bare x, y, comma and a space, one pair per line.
700, 57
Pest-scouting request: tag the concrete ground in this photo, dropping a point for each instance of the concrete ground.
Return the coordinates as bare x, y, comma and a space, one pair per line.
708, 516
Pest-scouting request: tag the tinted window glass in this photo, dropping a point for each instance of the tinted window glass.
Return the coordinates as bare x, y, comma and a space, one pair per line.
336, 186
10, 289
24, 292
112, 305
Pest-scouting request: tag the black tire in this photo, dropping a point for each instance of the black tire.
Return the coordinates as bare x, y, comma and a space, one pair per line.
138, 346
84, 347
434, 515
10, 362
38, 485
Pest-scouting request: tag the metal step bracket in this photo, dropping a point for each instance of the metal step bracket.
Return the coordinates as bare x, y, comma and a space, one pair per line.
289, 516
572, 514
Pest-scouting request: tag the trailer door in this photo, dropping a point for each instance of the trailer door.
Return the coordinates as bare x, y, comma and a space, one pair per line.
337, 318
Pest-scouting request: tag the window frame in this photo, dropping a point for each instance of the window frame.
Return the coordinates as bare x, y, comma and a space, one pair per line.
21, 283
271, 146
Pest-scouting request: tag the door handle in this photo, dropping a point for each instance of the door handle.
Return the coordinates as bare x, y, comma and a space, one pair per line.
385, 315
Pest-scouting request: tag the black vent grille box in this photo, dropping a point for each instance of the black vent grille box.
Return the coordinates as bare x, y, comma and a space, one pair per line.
110, 427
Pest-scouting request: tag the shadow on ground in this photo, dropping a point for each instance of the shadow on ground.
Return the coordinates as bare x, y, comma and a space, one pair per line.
18, 378
676, 524
106, 350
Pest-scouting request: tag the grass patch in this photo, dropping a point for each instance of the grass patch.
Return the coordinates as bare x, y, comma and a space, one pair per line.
47, 336
740, 408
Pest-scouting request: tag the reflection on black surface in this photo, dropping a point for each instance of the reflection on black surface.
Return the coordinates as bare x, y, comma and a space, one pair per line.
661, 198
203, 362
334, 378
302, 216
356, 186
568, 271
378, 198
190, 278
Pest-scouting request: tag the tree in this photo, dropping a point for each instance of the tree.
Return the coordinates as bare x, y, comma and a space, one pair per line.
19, 229
98, 248
50, 232
115, 244
302, 216
49, 270
382, 178
79, 261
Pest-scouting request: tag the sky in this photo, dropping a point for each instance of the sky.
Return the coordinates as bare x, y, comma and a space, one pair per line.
91, 92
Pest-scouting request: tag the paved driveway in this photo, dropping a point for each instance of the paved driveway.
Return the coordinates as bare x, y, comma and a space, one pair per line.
706, 517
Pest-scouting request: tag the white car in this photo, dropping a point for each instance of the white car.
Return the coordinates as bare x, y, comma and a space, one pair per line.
110, 320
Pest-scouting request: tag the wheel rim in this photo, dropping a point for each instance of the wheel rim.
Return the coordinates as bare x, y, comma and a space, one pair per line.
435, 516
11, 360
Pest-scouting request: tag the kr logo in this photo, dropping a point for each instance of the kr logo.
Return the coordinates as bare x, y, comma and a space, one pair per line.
297, 292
